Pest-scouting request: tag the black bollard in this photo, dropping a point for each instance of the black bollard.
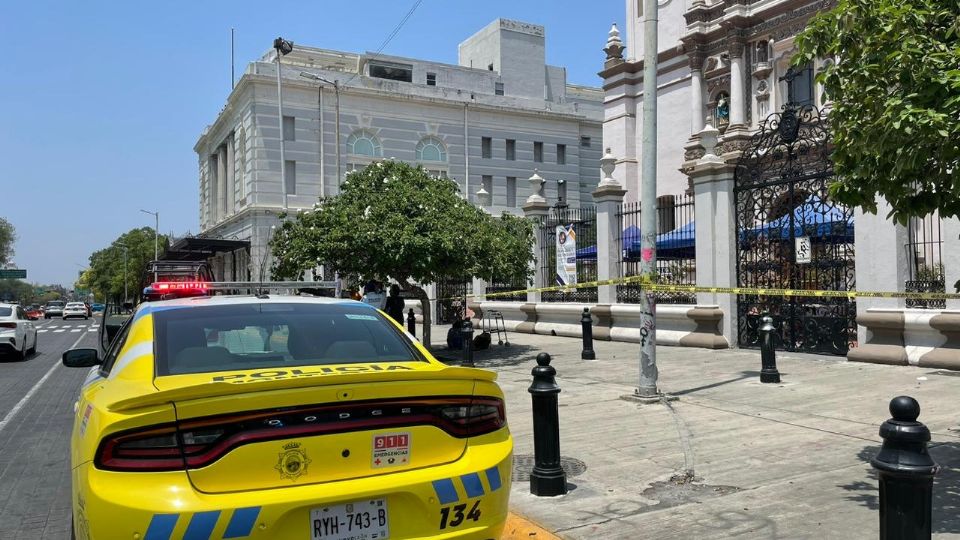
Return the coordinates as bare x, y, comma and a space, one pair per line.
411, 323
547, 478
467, 334
906, 473
587, 323
768, 353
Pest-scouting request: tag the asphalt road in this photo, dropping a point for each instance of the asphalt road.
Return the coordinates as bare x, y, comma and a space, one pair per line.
36, 416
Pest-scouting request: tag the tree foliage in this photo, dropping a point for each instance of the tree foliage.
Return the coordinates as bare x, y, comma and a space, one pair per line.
393, 220
895, 89
8, 235
105, 276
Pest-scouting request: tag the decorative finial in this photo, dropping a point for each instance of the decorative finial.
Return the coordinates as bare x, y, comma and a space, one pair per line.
709, 136
483, 197
607, 164
614, 48
536, 188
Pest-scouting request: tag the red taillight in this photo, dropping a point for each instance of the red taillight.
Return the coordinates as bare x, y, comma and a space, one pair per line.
203, 441
8, 325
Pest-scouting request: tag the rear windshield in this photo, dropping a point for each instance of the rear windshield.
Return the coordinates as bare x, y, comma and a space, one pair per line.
5, 311
55, 304
253, 336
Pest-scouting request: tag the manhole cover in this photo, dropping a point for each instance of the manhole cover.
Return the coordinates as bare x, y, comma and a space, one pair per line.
523, 464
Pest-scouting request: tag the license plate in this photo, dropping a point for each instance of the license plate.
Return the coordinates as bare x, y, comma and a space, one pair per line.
360, 520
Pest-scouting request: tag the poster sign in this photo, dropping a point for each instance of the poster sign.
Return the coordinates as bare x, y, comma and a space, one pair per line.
566, 255
803, 249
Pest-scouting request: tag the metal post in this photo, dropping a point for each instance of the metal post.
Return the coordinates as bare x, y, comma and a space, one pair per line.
336, 91
547, 478
648, 210
323, 170
906, 473
586, 321
283, 165
466, 331
411, 323
768, 352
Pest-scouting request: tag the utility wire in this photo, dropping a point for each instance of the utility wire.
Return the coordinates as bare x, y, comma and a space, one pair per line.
392, 35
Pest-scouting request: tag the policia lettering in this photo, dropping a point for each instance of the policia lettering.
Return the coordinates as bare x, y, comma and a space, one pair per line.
277, 374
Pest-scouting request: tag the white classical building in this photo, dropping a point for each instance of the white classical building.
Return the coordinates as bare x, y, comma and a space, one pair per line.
748, 135
487, 122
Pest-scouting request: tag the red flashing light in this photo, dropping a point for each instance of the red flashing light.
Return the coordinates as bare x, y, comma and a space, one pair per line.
168, 286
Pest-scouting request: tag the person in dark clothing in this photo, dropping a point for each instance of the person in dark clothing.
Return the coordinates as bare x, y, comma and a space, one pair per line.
394, 307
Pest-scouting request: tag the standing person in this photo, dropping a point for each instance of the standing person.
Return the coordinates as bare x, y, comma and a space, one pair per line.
373, 295
394, 306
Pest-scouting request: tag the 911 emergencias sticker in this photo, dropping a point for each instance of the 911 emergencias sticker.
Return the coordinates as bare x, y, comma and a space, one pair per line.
390, 450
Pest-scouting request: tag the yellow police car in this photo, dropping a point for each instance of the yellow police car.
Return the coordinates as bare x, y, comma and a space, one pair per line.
283, 417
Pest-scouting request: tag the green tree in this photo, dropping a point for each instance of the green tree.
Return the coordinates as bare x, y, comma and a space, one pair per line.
8, 235
392, 220
105, 275
895, 88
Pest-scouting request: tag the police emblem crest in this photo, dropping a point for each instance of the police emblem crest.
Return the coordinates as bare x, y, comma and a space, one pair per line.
293, 462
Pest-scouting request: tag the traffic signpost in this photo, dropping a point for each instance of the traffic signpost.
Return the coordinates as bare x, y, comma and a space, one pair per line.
13, 273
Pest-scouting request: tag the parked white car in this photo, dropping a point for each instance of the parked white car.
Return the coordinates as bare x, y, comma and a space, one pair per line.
74, 309
18, 334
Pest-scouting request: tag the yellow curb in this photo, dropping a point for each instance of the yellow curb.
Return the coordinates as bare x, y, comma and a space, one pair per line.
519, 527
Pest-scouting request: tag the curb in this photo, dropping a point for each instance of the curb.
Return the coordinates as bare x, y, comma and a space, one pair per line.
519, 527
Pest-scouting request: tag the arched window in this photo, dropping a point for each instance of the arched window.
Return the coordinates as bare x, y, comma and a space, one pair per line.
364, 143
431, 149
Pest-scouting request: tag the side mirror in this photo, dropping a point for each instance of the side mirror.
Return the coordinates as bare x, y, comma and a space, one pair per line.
81, 358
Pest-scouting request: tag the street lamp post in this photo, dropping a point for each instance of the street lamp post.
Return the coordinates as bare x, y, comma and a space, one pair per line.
156, 237
283, 48
336, 91
125, 296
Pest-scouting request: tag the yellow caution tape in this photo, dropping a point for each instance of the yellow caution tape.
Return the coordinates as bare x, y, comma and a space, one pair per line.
646, 284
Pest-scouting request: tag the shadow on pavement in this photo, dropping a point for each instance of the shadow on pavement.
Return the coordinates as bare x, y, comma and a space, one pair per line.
946, 486
495, 356
743, 376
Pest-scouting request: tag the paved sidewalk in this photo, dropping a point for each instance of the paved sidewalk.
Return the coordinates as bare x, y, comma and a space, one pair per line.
731, 457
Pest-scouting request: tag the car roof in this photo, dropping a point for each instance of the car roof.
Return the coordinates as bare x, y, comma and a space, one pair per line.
226, 300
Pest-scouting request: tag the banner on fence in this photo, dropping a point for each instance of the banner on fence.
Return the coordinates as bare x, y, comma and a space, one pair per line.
566, 255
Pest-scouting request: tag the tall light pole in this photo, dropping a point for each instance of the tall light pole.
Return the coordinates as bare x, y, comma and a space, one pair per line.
283, 48
336, 91
156, 237
125, 296
648, 209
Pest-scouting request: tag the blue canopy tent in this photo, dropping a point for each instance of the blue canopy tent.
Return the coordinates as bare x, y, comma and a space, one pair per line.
678, 243
814, 218
630, 236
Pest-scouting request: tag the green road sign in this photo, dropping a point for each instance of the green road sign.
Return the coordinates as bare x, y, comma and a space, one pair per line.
13, 273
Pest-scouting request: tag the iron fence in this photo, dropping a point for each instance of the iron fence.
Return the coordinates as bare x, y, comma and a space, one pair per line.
499, 285
676, 253
923, 250
451, 299
583, 223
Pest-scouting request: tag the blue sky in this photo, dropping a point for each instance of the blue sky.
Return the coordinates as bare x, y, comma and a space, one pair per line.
103, 101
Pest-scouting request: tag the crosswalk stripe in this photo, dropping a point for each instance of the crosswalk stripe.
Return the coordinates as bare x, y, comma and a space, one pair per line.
75, 330
41, 331
60, 330
92, 329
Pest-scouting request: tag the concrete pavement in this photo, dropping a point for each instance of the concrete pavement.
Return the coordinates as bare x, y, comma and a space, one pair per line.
732, 457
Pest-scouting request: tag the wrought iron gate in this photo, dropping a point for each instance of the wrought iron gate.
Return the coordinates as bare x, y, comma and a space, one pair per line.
451, 298
791, 236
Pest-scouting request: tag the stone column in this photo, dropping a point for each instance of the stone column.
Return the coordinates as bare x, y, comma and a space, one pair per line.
222, 182
737, 94
716, 248
212, 180
696, 93
608, 197
231, 176
881, 262
537, 209
950, 255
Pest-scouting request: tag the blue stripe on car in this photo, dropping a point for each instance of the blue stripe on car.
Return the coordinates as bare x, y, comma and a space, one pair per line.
493, 478
446, 491
472, 485
241, 524
201, 525
161, 526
